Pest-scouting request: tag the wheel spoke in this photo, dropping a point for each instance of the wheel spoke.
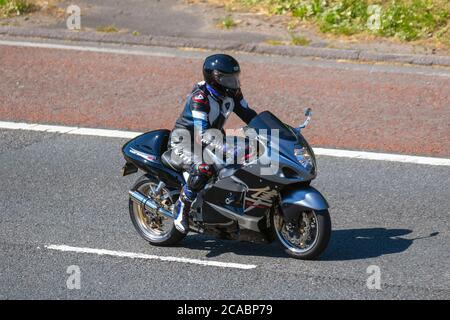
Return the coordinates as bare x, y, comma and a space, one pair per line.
150, 222
300, 237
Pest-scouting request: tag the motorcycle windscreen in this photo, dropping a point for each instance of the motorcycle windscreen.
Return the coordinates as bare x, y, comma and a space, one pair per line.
266, 120
288, 141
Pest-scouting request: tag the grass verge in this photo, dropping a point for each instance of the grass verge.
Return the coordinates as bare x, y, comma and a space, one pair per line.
10, 8
299, 40
226, 22
406, 20
107, 29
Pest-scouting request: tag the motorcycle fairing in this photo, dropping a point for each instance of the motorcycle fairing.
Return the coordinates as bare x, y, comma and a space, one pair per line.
145, 152
245, 202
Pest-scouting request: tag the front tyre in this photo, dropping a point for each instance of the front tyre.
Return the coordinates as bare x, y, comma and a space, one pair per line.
305, 238
152, 226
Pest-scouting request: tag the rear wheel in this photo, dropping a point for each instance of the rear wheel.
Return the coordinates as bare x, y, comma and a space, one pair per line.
153, 227
308, 237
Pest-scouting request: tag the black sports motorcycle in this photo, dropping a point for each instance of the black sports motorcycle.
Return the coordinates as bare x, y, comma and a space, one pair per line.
239, 203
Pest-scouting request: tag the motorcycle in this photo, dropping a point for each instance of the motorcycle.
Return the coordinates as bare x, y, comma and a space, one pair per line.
239, 203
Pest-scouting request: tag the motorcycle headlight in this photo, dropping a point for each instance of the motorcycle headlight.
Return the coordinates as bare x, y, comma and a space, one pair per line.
304, 158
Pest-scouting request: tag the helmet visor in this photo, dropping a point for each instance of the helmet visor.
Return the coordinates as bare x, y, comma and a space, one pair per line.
229, 81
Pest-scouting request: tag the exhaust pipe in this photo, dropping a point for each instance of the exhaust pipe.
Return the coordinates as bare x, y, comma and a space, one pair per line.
149, 204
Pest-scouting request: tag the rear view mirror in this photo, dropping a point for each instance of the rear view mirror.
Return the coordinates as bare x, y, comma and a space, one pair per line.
308, 112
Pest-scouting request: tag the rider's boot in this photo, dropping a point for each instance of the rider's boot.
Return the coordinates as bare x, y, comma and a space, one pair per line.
181, 210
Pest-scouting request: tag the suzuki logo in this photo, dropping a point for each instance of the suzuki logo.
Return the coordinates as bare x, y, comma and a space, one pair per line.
261, 198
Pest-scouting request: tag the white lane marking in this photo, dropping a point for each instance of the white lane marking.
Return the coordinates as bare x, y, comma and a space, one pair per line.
105, 133
432, 161
382, 156
132, 255
69, 130
133, 51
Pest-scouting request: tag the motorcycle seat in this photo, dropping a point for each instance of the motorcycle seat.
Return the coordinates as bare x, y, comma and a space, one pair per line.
171, 162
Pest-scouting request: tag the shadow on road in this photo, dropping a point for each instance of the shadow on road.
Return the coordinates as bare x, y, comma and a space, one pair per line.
353, 244
217, 247
347, 244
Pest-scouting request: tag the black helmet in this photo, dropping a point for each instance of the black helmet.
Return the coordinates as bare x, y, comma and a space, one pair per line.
221, 72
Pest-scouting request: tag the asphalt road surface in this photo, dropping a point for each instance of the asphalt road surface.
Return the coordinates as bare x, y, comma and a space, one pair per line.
59, 189
67, 190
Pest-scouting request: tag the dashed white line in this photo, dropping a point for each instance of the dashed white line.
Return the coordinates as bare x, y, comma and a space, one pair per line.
432, 161
132, 255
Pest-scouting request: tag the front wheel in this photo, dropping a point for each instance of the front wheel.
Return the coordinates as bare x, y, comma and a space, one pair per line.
305, 238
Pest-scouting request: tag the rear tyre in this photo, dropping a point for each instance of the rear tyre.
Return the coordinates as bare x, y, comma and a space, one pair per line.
307, 239
153, 227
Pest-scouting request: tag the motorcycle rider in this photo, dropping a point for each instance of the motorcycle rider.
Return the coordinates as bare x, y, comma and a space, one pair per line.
207, 107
